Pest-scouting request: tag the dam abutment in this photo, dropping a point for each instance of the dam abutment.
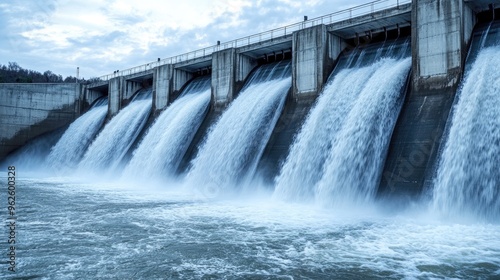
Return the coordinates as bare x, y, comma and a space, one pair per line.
30, 110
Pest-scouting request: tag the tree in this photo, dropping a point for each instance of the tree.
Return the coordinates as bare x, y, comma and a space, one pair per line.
13, 73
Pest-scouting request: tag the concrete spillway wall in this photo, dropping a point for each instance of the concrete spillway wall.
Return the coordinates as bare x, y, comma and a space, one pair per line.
440, 34
314, 53
29, 110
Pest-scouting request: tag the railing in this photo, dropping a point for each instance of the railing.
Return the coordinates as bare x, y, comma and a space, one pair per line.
281, 32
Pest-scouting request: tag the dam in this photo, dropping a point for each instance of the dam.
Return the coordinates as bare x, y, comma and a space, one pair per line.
387, 107
314, 47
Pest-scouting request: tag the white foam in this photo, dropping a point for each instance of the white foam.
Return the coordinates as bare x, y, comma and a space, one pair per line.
468, 178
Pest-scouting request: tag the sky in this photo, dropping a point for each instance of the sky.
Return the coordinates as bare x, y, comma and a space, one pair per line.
101, 36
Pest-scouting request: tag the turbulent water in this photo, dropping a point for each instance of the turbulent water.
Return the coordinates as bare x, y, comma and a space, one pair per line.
100, 231
69, 150
339, 152
165, 143
235, 143
84, 227
468, 178
113, 142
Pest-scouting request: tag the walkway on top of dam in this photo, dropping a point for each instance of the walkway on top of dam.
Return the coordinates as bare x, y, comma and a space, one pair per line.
369, 17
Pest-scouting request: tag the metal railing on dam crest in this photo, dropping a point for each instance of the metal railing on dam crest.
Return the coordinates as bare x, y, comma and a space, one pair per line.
284, 31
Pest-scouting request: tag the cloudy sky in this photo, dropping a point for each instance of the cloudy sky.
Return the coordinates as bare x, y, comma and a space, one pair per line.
101, 36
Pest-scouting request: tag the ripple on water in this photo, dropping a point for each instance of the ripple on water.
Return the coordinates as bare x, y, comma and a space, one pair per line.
84, 231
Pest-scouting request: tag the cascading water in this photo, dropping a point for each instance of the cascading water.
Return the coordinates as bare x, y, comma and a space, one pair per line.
467, 182
235, 143
166, 141
32, 156
69, 150
142, 230
352, 170
107, 150
304, 165
338, 154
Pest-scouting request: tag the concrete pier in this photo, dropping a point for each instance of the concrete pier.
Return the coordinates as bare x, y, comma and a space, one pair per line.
229, 70
162, 86
115, 95
441, 33
314, 54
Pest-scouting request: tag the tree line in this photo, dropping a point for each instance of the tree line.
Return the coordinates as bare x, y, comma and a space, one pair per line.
13, 73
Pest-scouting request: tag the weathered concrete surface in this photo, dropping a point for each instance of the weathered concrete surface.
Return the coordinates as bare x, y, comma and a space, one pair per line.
162, 86
375, 22
482, 5
441, 31
120, 93
29, 110
131, 87
291, 119
115, 93
267, 47
89, 97
229, 70
93, 91
415, 143
314, 53
167, 83
180, 79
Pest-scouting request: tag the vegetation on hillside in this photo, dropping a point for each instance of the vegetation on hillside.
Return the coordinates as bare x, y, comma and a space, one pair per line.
13, 73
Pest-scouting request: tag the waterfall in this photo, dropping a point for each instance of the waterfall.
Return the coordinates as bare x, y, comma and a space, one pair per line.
231, 151
161, 150
113, 142
304, 164
69, 150
468, 176
354, 165
339, 152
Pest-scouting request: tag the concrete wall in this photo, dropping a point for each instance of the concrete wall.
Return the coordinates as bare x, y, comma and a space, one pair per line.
441, 30
90, 96
180, 78
115, 94
229, 70
167, 81
162, 86
29, 110
120, 93
91, 92
314, 52
131, 87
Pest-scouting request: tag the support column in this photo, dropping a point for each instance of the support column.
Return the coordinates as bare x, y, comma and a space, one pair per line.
441, 31
229, 71
162, 86
115, 93
314, 53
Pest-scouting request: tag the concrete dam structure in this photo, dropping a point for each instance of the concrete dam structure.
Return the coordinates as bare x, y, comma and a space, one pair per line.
328, 110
